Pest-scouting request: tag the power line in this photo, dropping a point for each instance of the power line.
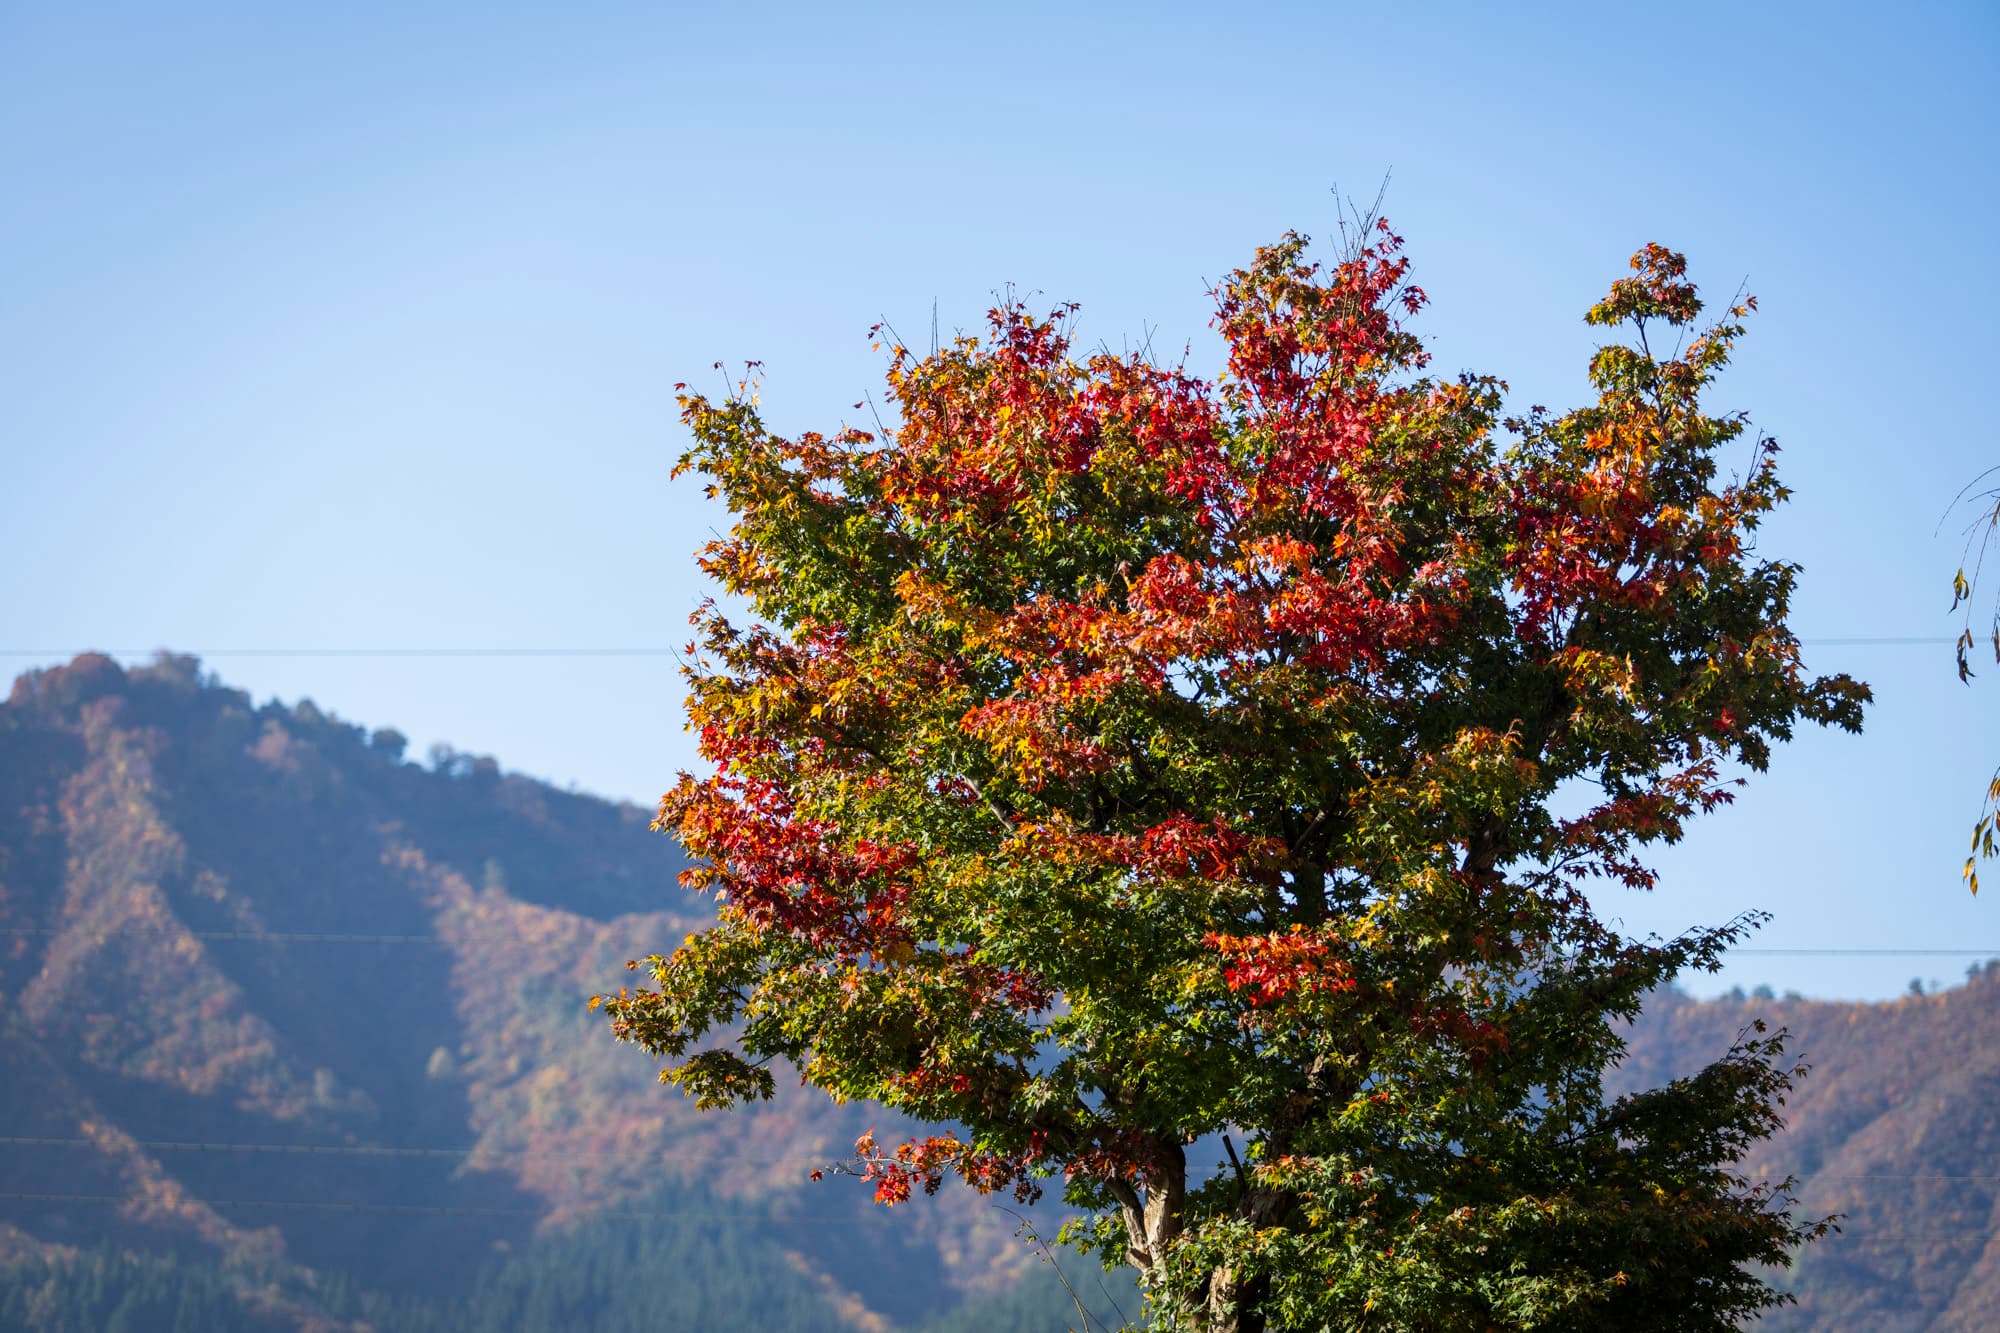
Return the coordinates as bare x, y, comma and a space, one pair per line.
1867, 1237
1860, 641
1834, 1175
406, 1154
369, 1150
852, 1219
1871, 952
253, 936
436, 941
331, 1206
362, 652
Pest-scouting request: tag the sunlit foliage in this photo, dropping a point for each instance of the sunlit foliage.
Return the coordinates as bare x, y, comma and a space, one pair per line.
1119, 759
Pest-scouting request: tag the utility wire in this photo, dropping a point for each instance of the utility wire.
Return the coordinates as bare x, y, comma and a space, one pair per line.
1871, 952
253, 936
853, 1219
329, 1206
366, 652
307, 937
1861, 641
368, 1150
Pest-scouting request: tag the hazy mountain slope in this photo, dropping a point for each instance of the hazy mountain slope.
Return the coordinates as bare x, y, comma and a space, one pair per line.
1896, 1128
361, 983
308, 1020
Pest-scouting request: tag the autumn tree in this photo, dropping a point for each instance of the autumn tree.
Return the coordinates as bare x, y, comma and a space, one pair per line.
1122, 766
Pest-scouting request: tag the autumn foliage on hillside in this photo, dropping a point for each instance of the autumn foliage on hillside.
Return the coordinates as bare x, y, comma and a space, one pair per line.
1893, 1131
1117, 759
276, 999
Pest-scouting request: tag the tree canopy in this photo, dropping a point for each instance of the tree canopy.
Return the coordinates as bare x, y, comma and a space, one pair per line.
1121, 766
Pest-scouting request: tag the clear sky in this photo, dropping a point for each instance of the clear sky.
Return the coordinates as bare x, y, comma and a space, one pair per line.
356, 328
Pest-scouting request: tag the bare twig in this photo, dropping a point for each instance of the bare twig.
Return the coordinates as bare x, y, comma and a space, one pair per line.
1027, 1228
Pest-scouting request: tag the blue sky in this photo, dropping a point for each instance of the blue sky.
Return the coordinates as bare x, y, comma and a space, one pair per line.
358, 329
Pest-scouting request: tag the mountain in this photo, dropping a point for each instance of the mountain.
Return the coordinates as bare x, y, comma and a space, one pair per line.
293, 1036
1895, 1129
277, 1000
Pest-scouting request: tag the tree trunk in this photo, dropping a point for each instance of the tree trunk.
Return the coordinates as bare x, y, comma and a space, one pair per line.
1156, 1220
1230, 1301
1235, 1299
1233, 1302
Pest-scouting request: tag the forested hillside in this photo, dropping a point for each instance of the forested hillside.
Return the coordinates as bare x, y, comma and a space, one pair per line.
292, 1035
278, 1001
1896, 1128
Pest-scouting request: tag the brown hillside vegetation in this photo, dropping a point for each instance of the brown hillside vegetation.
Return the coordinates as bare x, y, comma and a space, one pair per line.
1896, 1128
226, 924
176, 1027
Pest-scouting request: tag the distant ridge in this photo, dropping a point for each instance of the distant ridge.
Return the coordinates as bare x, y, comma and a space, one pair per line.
292, 1023
1896, 1128
196, 893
